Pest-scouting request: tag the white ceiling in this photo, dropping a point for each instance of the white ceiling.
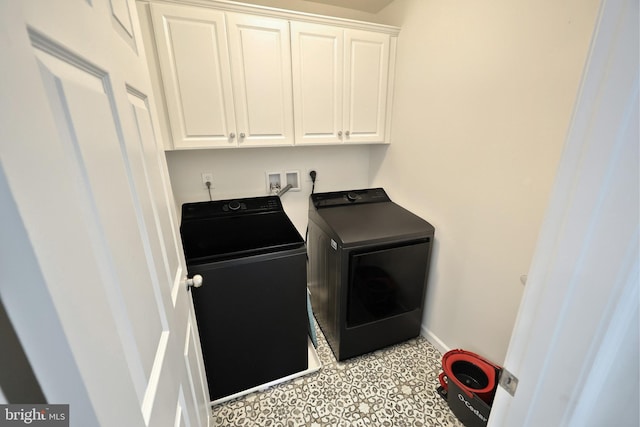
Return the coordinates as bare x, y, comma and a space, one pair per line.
371, 6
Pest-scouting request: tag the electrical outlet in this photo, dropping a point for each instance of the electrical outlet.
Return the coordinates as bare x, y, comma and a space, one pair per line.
207, 177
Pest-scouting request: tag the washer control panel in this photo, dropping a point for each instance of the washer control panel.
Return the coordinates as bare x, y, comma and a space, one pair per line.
342, 198
231, 207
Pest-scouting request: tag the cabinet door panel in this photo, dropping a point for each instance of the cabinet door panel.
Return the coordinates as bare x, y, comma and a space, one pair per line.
194, 61
317, 58
366, 79
261, 75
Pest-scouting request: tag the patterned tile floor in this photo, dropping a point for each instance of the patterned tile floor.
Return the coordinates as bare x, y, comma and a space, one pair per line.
393, 387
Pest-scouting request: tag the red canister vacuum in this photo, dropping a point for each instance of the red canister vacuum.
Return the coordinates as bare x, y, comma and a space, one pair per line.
471, 373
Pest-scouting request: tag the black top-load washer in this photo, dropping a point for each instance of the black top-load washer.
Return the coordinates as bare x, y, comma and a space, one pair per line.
367, 271
252, 307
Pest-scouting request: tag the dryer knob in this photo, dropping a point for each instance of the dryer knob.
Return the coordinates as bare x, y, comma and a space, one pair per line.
352, 197
234, 205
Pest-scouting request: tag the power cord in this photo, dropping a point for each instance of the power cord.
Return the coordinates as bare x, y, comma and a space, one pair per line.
209, 189
313, 175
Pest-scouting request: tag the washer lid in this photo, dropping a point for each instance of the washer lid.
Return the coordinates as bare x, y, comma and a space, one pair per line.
228, 229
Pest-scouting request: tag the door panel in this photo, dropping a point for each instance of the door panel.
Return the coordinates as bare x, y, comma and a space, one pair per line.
317, 59
195, 373
121, 19
94, 138
164, 249
182, 416
194, 61
261, 76
90, 186
366, 79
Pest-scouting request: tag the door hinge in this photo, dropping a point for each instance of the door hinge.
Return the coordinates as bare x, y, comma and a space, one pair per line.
508, 381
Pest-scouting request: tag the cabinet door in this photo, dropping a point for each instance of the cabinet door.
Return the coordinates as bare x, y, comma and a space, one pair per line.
194, 62
317, 67
365, 86
261, 75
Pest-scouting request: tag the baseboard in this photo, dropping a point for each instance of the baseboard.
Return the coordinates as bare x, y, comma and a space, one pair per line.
434, 340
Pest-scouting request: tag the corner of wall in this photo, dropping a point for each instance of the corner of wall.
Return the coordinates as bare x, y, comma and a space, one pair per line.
434, 340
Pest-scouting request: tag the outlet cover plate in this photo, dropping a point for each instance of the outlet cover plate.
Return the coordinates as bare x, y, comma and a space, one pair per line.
207, 177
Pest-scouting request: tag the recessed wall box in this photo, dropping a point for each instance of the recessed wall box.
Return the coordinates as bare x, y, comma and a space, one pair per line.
293, 178
274, 182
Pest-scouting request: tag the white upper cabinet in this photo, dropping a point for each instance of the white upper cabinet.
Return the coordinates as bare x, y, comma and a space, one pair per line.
317, 53
366, 79
232, 75
226, 77
196, 75
340, 84
261, 77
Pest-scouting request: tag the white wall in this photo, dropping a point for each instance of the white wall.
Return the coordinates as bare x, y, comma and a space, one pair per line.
483, 97
241, 173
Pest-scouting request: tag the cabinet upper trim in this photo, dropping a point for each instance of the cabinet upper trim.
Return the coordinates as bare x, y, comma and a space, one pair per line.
282, 13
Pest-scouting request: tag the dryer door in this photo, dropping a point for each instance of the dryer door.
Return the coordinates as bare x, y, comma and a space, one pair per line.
385, 282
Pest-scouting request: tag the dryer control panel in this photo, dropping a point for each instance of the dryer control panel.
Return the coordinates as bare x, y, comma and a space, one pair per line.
351, 197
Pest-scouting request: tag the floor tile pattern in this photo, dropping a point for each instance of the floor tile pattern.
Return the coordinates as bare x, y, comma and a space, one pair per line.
392, 387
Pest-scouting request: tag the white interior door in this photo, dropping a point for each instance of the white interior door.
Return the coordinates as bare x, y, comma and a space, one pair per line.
92, 266
575, 344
